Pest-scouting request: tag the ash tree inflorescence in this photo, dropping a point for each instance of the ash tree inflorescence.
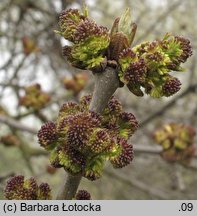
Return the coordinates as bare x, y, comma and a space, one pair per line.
84, 137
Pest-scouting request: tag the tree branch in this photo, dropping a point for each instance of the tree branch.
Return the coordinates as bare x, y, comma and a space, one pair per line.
69, 188
133, 182
106, 84
16, 125
190, 89
161, 17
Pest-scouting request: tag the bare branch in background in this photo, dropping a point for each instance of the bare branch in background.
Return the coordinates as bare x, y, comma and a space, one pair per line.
17, 125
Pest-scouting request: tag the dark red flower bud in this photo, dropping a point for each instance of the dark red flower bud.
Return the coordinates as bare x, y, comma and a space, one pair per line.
85, 102
141, 48
80, 127
68, 22
47, 135
111, 113
88, 28
114, 106
82, 195
128, 124
127, 53
44, 192
66, 52
18, 188
171, 86
72, 160
125, 156
13, 184
136, 72
69, 108
99, 141
186, 48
